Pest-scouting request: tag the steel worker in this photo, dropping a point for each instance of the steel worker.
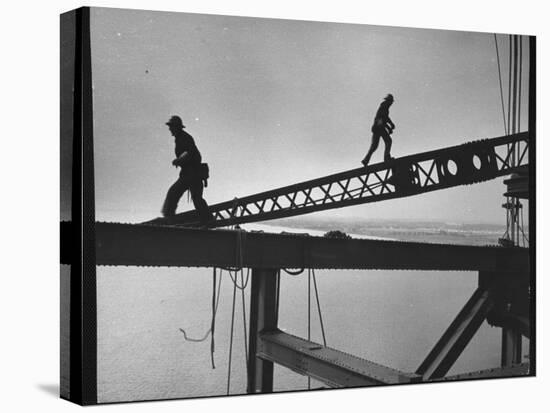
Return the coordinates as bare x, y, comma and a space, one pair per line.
382, 128
192, 173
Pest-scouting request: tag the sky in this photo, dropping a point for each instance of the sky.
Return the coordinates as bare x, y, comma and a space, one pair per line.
274, 102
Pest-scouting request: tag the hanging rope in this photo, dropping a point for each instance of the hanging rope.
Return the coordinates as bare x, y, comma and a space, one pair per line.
216, 290
244, 316
311, 276
211, 330
239, 258
244, 283
239, 250
319, 308
213, 323
293, 273
231, 337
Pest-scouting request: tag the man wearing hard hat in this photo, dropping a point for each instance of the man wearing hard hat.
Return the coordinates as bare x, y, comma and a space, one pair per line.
192, 178
381, 128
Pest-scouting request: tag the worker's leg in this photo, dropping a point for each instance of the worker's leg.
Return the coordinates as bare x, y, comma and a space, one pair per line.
373, 147
173, 196
200, 204
387, 142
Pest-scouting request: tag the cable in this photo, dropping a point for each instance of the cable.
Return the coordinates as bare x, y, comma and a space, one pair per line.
231, 339
244, 318
309, 317
213, 323
520, 76
514, 96
500, 83
509, 81
319, 308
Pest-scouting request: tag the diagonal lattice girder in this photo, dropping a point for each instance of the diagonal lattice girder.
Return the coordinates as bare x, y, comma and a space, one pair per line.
410, 175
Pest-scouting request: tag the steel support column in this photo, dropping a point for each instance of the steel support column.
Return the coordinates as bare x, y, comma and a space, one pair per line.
532, 197
79, 241
511, 297
511, 347
264, 314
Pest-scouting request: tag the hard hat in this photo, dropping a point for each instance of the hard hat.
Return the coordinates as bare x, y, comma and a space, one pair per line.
175, 121
389, 97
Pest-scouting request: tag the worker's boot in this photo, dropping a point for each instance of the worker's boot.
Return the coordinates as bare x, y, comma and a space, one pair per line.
365, 160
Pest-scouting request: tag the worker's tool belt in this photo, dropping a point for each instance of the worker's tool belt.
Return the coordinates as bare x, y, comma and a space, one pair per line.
204, 173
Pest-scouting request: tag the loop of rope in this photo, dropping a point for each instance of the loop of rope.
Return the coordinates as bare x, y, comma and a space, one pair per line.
211, 330
244, 283
293, 273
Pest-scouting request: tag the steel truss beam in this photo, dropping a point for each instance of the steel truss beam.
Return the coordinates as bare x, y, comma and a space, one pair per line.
333, 367
150, 245
410, 175
457, 336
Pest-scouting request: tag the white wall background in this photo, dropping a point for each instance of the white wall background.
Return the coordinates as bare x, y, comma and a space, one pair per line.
30, 209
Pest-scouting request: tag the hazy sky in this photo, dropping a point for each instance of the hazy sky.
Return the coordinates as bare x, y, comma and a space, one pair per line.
274, 102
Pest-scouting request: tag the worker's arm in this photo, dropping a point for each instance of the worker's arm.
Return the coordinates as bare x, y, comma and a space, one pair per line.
180, 160
389, 121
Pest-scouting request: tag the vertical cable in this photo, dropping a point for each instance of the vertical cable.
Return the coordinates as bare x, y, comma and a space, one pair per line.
500, 83
308, 316
509, 81
514, 94
244, 317
520, 76
213, 322
514, 116
231, 336
518, 204
319, 308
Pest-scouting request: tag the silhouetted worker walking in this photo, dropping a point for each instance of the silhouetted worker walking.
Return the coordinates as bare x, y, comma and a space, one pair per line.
188, 159
381, 128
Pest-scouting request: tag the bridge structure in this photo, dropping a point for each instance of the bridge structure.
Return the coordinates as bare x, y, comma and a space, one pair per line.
503, 296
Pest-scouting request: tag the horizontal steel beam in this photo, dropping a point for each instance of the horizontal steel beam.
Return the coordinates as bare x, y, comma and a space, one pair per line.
333, 367
522, 369
148, 245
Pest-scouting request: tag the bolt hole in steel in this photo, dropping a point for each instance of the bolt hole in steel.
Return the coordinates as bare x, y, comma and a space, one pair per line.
452, 167
477, 162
